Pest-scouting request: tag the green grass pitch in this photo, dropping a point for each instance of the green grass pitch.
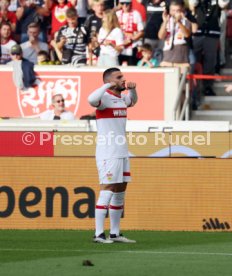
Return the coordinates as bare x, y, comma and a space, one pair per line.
62, 252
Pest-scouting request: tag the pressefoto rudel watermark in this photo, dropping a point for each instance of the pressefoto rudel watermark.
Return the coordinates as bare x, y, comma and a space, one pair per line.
133, 139
187, 139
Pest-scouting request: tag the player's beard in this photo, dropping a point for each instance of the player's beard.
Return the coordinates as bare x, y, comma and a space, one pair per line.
121, 88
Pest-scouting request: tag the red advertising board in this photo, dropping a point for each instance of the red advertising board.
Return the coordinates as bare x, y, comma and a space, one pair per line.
25, 143
76, 85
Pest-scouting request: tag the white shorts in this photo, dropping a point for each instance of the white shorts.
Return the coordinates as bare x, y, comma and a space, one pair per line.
113, 171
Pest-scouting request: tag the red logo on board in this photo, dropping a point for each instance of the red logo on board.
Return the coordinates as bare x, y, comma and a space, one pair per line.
35, 100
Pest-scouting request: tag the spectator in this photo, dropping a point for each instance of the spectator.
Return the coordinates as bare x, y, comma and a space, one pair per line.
147, 57
44, 59
110, 39
72, 40
110, 4
206, 39
175, 29
57, 53
189, 15
33, 45
82, 11
58, 10
93, 24
6, 15
195, 93
154, 10
6, 42
132, 26
31, 11
23, 70
223, 23
58, 112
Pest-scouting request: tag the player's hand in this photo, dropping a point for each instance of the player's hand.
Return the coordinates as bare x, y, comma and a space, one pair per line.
131, 85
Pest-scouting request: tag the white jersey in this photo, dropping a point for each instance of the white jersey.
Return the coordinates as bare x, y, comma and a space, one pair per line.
5, 49
111, 116
115, 37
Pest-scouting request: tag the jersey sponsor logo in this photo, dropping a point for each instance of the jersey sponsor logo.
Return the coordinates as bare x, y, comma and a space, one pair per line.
35, 100
111, 113
119, 113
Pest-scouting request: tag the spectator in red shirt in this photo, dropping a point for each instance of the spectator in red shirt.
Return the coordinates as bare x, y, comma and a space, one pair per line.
7, 16
58, 10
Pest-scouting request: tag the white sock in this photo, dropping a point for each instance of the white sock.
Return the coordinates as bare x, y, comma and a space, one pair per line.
116, 209
101, 210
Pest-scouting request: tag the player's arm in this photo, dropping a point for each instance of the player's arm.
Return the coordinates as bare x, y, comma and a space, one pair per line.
95, 97
131, 98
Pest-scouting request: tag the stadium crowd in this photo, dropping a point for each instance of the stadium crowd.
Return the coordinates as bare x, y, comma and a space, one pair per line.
146, 33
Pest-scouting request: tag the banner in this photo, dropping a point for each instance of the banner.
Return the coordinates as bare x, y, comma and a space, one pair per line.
140, 144
175, 194
75, 85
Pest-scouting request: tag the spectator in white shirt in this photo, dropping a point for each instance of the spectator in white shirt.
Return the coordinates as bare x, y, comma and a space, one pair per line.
58, 112
110, 39
6, 43
33, 46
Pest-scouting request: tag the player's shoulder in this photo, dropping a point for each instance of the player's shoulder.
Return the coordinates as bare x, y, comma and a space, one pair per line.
124, 96
106, 96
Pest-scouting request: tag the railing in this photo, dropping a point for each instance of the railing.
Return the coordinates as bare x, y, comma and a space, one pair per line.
181, 109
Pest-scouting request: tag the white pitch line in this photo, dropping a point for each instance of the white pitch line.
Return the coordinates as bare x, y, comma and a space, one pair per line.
118, 251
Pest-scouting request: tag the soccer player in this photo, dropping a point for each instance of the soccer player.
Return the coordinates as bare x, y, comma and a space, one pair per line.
112, 151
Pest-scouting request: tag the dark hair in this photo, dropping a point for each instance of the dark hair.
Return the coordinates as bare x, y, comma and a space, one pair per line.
33, 25
177, 3
71, 12
56, 1
108, 72
147, 47
5, 23
43, 53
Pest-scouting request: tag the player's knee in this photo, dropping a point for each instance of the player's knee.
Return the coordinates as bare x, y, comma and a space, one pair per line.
120, 187
117, 199
108, 187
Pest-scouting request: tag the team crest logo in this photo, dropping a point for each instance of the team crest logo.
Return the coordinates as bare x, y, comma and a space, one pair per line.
109, 176
35, 100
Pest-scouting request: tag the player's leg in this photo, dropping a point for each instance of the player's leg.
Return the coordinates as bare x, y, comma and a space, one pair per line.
100, 214
103, 202
117, 202
116, 207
